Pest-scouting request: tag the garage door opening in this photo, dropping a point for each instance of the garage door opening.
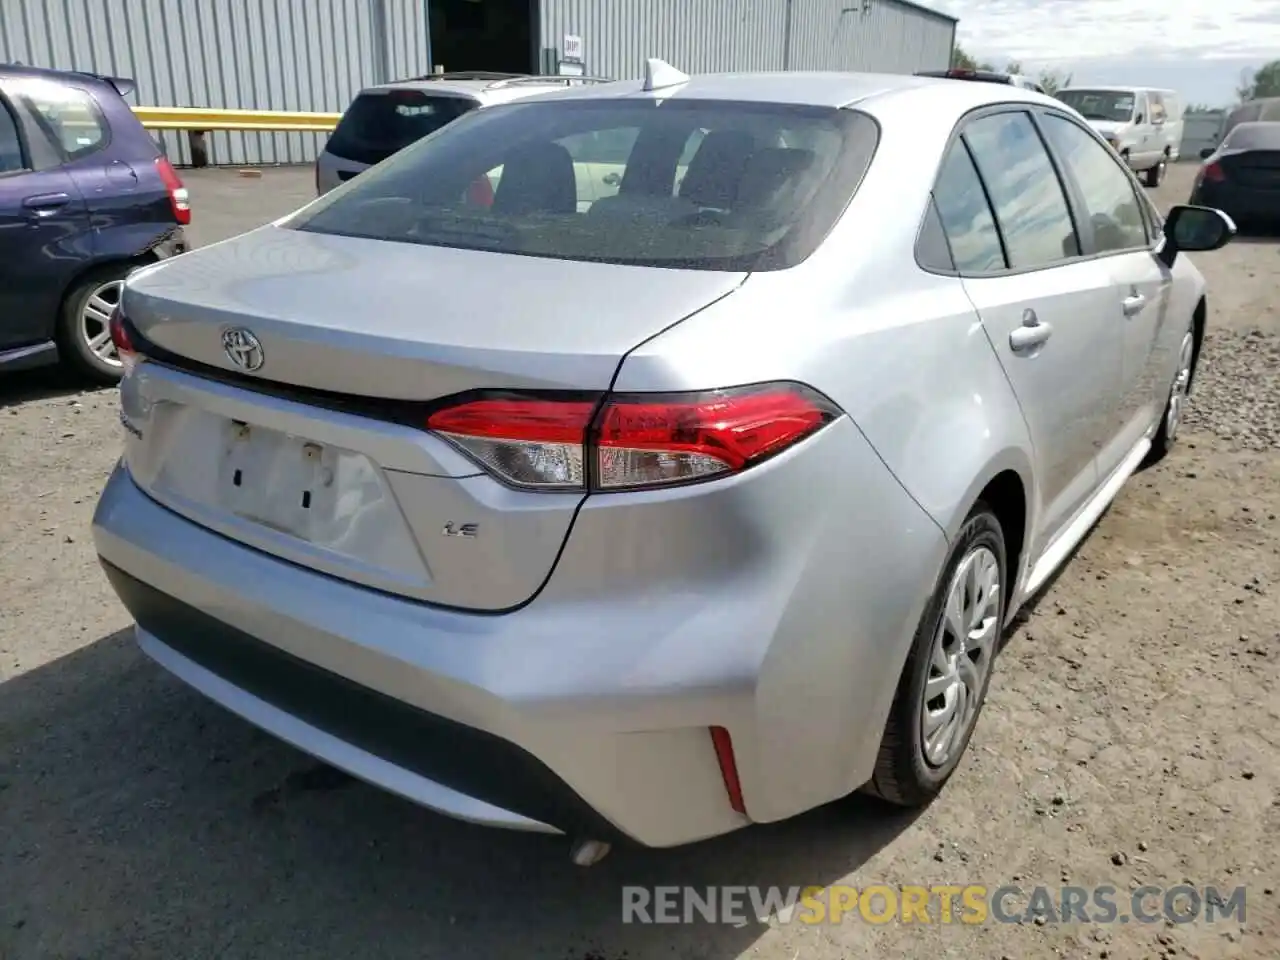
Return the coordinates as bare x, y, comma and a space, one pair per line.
488, 35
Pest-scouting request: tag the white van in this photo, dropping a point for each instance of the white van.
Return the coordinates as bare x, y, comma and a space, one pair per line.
1143, 124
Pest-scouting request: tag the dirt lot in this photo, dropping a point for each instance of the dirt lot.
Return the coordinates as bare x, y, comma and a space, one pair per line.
1132, 737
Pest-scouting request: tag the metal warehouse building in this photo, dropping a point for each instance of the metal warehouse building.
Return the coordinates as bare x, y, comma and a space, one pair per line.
316, 54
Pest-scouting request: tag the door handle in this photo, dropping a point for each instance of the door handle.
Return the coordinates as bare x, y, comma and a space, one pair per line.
1133, 304
46, 204
1033, 333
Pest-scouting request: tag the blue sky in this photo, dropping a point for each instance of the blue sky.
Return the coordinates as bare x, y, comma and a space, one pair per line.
1197, 48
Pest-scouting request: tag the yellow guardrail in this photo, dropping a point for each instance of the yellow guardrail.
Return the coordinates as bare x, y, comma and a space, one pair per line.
205, 118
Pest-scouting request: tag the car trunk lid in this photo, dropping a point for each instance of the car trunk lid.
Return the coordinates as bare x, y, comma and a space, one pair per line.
296, 458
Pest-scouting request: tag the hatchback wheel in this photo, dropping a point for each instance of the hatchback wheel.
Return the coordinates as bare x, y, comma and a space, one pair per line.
1176, 406
944, 682
84, 334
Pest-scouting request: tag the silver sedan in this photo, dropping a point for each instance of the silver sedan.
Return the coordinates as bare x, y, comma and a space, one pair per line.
686, 479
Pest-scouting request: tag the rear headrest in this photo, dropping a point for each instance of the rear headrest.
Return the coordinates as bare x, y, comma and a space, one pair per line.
537, 178
715, 170
768, 171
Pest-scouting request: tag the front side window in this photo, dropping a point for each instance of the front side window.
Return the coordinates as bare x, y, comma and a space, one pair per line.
1030, 204
69, 116
966, 216
682, 183
1109, 193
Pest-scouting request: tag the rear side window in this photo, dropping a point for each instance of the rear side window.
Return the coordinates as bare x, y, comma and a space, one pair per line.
1158, 112
11, 160
378, 124
966, 216
69, 116
1254, 136
1030, 204
712, 185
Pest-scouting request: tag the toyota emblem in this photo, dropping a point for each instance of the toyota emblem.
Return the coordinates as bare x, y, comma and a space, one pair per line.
242, 348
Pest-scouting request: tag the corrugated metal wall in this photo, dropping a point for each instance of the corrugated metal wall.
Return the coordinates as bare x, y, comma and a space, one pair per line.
315, 54
718, 35
703, 37
250, 54
881, 36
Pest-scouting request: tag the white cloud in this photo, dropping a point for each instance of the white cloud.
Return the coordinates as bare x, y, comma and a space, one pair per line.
1072, 31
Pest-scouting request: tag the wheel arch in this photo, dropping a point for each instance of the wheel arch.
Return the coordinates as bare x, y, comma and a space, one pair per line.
1005, 486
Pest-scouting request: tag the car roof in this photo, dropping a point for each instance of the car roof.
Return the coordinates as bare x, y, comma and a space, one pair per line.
818, 89
22, 71
1115, 88
483, 86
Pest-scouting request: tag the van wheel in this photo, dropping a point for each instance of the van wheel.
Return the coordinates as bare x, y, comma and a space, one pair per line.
1155, 176
944, 682
84, 335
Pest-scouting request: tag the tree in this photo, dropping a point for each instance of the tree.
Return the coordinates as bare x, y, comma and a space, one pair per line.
962, 60
1053, 81
1013, 66
1260, 83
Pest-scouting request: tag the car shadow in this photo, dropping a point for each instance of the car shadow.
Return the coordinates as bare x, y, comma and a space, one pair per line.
134, 812
44, 383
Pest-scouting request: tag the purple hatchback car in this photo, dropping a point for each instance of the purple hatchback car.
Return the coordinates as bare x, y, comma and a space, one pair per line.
86, 196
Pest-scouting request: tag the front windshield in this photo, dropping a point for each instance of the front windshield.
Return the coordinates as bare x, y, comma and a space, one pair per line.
1113, 106
677, 183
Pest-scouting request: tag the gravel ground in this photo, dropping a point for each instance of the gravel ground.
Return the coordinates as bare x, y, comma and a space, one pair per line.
1132, 737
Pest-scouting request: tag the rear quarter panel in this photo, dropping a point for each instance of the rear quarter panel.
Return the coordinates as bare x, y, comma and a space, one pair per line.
128, 203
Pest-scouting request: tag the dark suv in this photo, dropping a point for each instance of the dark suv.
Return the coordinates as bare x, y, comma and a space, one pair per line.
86, 196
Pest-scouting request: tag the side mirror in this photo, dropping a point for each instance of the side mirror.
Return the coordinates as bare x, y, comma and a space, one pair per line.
1194, 228
1206, 152
1139, 119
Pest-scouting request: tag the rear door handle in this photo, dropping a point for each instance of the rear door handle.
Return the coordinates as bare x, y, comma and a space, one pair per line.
1133, 304
46, 204
1033, 333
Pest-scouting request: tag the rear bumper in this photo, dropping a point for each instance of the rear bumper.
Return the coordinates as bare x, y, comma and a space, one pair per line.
588, 710
408, 750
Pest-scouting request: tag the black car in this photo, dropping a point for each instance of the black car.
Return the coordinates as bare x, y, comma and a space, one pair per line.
1241, 176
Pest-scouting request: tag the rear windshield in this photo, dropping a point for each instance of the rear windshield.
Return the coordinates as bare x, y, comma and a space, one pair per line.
710, 185
1254, 136
379, 123
1114, 106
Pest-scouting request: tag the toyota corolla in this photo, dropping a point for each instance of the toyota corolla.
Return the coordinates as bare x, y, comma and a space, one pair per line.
688, 481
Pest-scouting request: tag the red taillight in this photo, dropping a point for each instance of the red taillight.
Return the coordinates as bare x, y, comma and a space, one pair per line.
178, 196
723, 744
120, 338
1212, 173
961, 73
632, 441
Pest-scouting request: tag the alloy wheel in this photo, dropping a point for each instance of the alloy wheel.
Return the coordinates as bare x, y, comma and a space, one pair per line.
1181, 386
95, 321
960, 657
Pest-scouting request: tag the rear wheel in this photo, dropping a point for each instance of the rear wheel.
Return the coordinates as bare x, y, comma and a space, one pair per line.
84, 335
944, 683
1155, 176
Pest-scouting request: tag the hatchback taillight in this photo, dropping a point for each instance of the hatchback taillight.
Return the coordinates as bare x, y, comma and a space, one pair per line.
1212, 173
178, 196
120, 338
631, 441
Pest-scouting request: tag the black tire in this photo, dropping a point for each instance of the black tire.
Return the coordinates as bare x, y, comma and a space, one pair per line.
72, 346
1155, 176
902, 775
